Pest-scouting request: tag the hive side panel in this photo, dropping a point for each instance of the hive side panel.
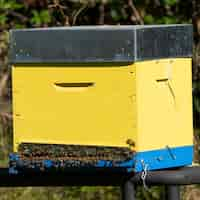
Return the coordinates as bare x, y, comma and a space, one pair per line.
164, 104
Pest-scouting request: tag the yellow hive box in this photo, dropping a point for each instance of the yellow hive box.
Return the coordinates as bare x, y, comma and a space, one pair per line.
105, 86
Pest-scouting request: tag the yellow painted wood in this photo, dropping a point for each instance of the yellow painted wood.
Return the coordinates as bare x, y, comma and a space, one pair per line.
101, 114
149, 102
164, 103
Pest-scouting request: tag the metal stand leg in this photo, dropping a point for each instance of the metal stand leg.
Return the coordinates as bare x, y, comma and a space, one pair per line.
172, 192
128, 191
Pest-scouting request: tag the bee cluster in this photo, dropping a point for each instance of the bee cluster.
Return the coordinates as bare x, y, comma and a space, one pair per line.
56, 156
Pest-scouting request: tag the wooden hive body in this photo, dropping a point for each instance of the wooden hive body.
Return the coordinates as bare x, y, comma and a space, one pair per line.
94, 90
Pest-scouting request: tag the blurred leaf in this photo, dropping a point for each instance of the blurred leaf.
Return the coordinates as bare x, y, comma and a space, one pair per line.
115, 15
45, 16
170, 2
36, 18
167, 20
39, 18
148, 19
9, 4
19, 26
3, 19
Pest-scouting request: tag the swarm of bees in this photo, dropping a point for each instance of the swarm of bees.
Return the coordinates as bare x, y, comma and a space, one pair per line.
41, 156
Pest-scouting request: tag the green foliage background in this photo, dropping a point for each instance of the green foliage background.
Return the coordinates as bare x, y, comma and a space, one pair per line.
46, 13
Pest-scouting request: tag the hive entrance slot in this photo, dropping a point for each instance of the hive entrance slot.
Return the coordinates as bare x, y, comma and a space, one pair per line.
81, 84
73, 87
162, 80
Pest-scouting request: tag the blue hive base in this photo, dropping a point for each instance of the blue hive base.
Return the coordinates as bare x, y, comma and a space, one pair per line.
150, 160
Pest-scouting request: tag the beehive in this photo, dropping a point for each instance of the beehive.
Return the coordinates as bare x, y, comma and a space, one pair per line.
106, 86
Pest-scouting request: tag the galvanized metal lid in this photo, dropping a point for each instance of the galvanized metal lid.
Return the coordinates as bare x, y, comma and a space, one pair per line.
97, 44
